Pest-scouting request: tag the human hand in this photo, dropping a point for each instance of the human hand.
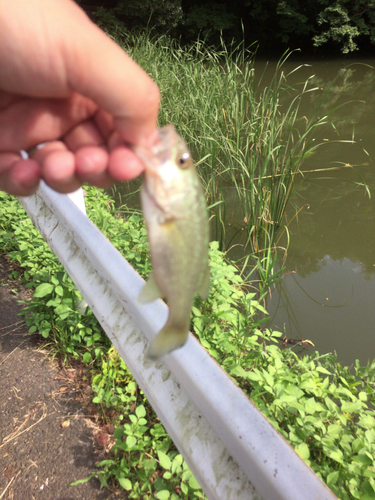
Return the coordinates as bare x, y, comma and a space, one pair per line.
65, 83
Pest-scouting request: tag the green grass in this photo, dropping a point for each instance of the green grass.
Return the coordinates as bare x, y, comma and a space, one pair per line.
248, 143
325, 411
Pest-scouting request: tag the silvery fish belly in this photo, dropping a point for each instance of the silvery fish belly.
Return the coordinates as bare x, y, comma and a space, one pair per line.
175, 211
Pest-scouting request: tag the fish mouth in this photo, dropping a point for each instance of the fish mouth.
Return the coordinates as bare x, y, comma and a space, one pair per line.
160, 152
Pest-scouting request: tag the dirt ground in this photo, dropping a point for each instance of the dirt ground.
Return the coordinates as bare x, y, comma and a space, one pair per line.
46, 439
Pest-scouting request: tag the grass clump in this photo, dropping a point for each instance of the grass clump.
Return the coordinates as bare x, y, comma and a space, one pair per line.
248, 143
324, 411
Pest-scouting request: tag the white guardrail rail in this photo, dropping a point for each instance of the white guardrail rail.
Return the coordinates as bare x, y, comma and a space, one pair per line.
231, 448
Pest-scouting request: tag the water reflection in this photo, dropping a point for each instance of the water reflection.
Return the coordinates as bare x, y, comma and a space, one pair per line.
328, 295
333, 307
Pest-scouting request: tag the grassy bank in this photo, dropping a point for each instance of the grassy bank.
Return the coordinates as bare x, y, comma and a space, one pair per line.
322, 409
249, 143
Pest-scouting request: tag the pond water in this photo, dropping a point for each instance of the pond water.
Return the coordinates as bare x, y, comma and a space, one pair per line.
328, 292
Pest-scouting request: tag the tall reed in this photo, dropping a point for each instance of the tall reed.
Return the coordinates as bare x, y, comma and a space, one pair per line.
245, 141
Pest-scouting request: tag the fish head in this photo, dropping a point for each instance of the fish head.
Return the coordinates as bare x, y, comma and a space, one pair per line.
169, 169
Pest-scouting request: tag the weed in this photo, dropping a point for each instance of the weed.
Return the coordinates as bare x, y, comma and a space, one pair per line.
249, 143
324, 411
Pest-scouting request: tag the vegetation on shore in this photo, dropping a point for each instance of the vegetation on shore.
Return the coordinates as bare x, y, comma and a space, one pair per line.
343, 25
249, 139
324, 411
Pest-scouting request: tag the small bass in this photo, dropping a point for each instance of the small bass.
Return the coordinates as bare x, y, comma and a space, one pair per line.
176, 217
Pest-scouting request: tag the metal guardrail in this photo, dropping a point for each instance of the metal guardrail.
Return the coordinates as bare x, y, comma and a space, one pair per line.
231, 448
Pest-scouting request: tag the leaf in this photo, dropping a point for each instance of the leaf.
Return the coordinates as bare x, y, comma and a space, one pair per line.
308, 384
131, 441
335, 455
82, 481
310, 406
365, 458
45, 333
43, 290
238, 371
125, 483
162, 495
164, 460
370, 435
303, 451
119, 432
63, 310
322, 370
54, 280
150, 466
334, 430
140, 411
367, 422
86, 358
362, 396
193, 483
332, 478
351, 407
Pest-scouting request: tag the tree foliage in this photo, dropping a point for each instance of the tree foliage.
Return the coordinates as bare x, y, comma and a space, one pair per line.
345, 21
348, 25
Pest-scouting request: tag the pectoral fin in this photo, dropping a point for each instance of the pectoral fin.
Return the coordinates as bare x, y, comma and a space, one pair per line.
204, 287
149, 292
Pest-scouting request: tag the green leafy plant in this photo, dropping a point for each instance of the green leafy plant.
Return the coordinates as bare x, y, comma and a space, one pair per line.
323, 409
55, 313
113, 385
146, 464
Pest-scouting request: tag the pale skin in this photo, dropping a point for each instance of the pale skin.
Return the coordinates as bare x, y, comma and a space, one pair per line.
65, 83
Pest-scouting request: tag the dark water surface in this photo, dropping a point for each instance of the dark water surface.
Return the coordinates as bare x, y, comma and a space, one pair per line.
328, 295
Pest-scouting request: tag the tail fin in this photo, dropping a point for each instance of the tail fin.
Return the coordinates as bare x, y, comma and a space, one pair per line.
167, 340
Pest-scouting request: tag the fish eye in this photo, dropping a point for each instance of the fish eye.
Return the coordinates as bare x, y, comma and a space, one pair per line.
184, 158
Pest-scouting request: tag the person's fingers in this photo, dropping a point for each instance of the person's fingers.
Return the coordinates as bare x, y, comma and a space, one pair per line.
58, 167
65, 171
17, 176
28, 122
59, 70
91, 166
123, 156
84, 134
104, 122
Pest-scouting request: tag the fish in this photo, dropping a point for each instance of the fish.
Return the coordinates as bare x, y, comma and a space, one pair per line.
175, 212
